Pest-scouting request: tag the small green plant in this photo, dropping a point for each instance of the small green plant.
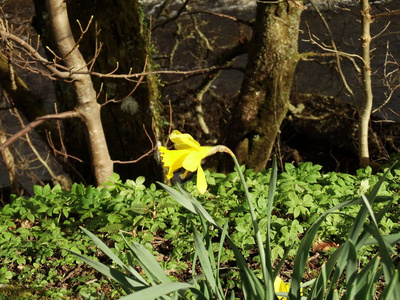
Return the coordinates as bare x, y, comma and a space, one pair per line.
359, 283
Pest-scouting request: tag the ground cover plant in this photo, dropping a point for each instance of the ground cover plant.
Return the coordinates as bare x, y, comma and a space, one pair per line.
37, 234
263, 281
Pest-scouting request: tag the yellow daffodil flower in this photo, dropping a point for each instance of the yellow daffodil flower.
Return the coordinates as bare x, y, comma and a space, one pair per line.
188, 155
281, 286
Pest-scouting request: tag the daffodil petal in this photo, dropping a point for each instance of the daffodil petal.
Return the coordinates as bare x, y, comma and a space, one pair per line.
281, 286
184, 141
193, 160
201, 180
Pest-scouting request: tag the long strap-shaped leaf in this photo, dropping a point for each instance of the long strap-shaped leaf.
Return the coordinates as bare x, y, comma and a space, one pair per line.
103, 247
252, 286
205, 263
160, 290
305, 245
147, 262
128, 284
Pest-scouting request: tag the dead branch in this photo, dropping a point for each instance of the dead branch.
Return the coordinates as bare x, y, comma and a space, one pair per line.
234, 19
335, 50
176, 16
33, 148
388, 77
386, 14
9, 161
153, 148
37, 122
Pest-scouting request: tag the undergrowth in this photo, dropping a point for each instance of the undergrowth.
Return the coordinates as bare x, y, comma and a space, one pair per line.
36, 233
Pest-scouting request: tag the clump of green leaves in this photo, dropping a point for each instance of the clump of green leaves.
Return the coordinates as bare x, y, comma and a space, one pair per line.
36, 233
359, 282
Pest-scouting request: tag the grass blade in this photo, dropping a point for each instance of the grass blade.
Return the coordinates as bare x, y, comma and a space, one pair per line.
205, 263
186, 200
388, 267
305, 245
147, 262
351, 270
252, 288
159, 290
126, 281
392, 290
366, 279
103, 247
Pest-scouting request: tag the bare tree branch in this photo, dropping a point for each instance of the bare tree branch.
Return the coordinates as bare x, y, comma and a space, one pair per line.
33, 53
37, 122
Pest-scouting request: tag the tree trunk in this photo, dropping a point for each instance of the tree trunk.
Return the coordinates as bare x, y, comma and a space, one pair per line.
365, 109
118, 26
86, 101
265, 92
125, 42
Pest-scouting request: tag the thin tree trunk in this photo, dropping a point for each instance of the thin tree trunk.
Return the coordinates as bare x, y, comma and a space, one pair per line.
86, 105
9, 161
366, 106
264, 97
125, 48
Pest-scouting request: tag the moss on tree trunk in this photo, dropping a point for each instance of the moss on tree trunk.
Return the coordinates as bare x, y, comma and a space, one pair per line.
265, 92
124, 43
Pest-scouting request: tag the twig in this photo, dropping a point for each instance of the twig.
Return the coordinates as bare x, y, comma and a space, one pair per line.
390, 13
338, 64
153, 148
33, 148
133, 90
234, 19
83, 31
174, 17
34, 54
387, 77
37, 122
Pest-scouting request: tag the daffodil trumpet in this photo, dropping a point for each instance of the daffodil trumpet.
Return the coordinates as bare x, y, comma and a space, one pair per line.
188, 155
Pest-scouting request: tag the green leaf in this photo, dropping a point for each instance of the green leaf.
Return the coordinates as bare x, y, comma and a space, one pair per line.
205, 262
147, 261
111, 228
392, 290
111, 255
160, 290
126, 281
38, 190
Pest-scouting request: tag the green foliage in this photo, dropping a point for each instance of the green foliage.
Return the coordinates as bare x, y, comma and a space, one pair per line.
359, 282
36, 234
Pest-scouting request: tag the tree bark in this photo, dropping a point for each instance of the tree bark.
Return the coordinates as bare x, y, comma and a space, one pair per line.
118, 26
86, 104
125, 41
365, 109
265, 92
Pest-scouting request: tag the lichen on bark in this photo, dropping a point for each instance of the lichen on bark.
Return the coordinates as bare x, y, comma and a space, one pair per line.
265, 92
